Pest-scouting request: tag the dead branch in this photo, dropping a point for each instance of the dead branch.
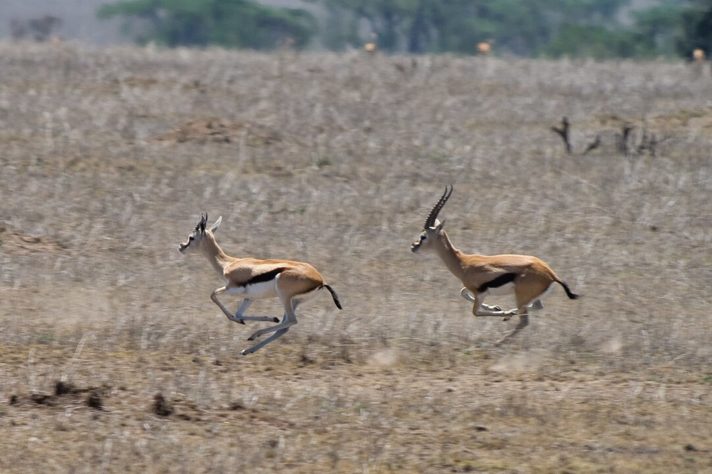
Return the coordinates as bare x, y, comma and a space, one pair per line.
564, 132
623, 138
593, 145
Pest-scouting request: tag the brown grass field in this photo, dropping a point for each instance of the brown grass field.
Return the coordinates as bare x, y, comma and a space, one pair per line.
113, 358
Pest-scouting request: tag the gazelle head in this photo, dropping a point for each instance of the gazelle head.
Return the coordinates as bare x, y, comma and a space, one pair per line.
196, 238
432, 227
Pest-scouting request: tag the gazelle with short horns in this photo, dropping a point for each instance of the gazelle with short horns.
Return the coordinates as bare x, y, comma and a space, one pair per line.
291, 281
526, 276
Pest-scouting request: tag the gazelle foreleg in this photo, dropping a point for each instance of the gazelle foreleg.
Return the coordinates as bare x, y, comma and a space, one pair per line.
214, 297
240, 313
467, 294
480, 309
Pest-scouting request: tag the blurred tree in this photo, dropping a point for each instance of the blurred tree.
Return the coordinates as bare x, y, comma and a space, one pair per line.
231, 23
696, 23
518, 26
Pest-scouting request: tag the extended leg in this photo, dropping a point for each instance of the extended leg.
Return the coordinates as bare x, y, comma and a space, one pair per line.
214, 297
480, 309
523, 322
290, 318
467, 294
287, 321
261, 344
240, 313
536, 305
526, 296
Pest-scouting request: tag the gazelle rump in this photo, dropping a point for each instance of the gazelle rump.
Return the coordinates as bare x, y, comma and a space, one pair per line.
291, 281
526, 276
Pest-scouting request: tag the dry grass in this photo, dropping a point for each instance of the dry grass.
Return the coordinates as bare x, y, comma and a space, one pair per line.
109, 156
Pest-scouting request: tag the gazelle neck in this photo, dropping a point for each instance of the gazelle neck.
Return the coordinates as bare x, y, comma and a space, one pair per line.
215, 254
449, 254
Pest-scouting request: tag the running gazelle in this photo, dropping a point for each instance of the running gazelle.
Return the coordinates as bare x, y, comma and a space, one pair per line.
527, 276
291, 281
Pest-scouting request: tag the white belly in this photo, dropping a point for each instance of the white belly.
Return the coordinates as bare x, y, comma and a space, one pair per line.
264, 289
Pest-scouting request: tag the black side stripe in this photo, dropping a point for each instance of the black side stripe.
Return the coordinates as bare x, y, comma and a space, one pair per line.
262, 277
497, 282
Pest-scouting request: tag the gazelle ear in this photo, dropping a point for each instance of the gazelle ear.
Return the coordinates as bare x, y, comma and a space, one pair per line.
215, 226
439, 224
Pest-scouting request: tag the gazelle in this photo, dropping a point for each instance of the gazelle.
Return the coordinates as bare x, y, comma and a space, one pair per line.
527, 276
292, 282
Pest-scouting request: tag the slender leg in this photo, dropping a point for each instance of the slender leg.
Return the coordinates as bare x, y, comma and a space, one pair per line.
480, 309
525, 296
240, 313
290, 318
287, 321
523, 322
467, 294
261, 344
536, 305
214, 297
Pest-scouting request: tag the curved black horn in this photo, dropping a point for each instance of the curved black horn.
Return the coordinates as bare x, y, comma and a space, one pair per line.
430, 221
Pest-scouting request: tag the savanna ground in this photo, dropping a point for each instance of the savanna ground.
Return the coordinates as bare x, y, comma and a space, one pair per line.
108, 157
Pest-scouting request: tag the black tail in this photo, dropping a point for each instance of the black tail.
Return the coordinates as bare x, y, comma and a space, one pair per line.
568, 291
334, 295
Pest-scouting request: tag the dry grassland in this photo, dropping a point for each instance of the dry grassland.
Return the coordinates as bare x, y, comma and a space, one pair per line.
113, 358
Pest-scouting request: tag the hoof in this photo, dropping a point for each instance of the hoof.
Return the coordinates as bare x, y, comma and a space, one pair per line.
276, 320
251, 338
241, 321
244, 352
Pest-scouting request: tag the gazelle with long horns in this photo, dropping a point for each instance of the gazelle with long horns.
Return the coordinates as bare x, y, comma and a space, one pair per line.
526, 276
291, 281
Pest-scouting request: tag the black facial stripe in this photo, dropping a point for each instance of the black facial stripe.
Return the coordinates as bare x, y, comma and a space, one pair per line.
497, 282
262, 277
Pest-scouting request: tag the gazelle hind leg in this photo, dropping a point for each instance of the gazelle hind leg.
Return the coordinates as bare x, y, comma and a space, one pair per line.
279, 333
523, 322
526, 295
288, 320
290, 317
536, 305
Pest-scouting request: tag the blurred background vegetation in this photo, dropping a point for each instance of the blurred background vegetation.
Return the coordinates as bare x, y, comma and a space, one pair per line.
532, 28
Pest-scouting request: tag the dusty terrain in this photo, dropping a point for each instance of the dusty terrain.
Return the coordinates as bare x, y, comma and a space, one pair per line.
113, 358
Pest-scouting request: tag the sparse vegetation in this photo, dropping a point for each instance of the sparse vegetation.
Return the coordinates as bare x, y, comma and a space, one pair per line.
108, 156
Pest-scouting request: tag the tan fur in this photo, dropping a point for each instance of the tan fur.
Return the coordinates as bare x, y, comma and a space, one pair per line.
294, 280
532, 277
